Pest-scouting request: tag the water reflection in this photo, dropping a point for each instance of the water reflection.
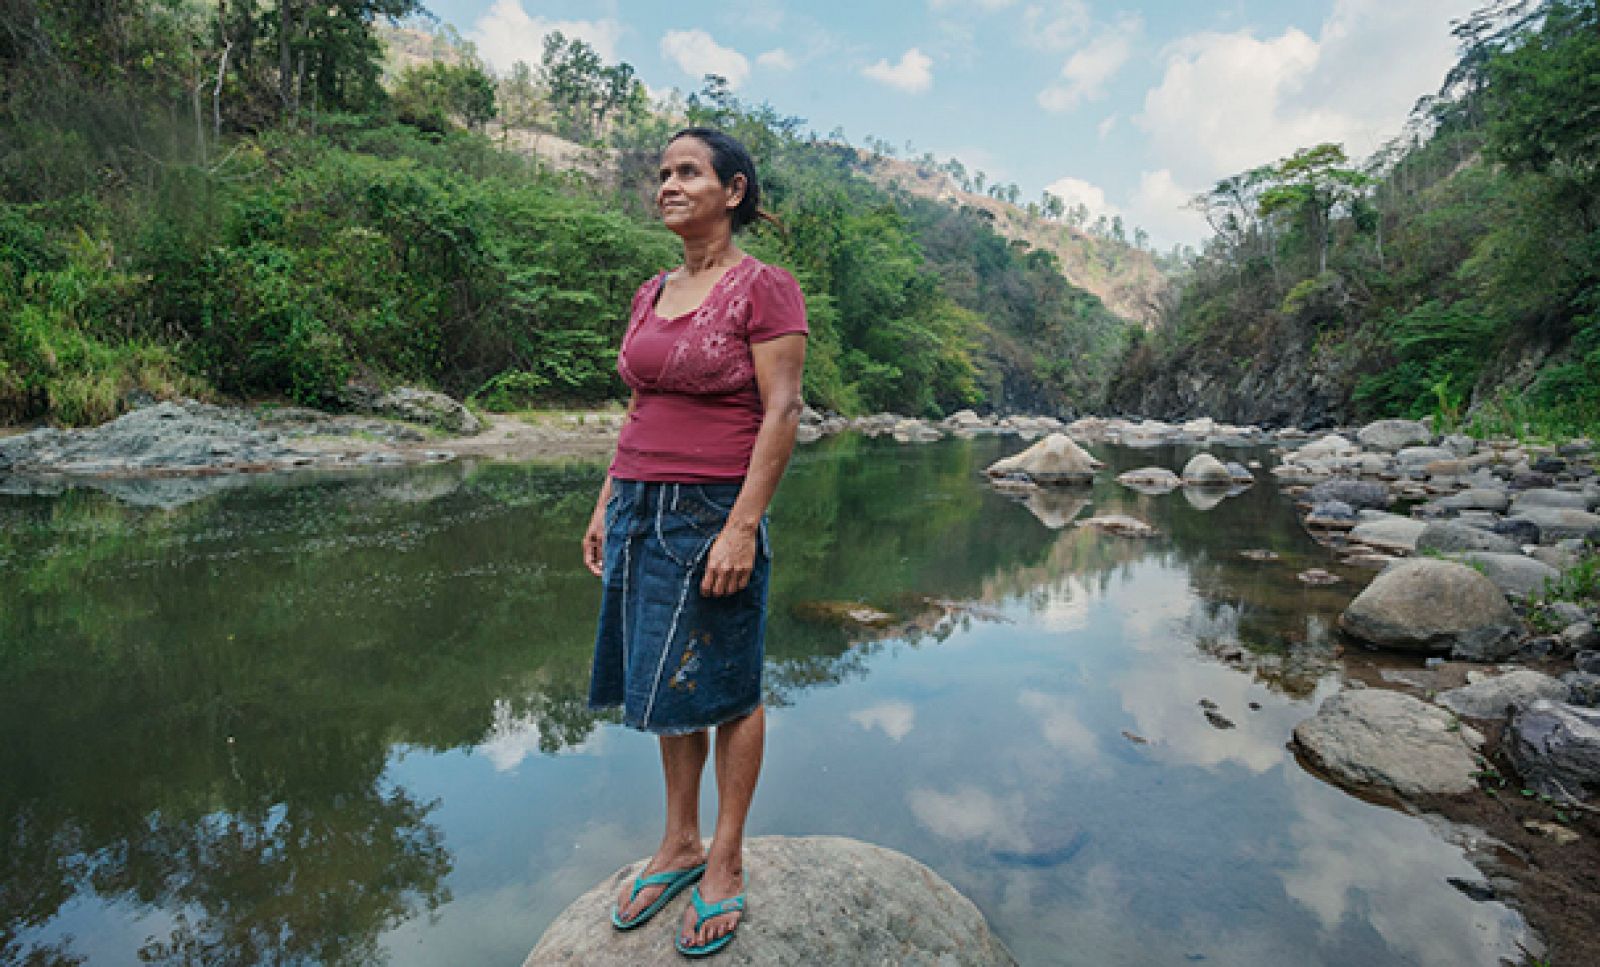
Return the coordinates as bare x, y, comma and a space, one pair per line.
341, 719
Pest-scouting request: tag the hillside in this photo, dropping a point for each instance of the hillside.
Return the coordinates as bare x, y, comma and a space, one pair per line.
1456, 274
1125, 278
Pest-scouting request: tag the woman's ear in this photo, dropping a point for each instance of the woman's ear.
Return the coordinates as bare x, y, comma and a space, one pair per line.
736, 187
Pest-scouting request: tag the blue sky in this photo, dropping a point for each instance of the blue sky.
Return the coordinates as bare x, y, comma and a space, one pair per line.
1129, 107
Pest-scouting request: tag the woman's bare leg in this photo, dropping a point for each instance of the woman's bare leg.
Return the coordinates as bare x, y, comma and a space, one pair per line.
683, 759
739, 749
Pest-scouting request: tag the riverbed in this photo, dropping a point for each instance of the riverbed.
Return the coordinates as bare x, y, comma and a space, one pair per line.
339, 717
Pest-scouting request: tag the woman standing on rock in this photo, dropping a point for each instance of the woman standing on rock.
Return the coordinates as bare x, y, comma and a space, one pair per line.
713, 352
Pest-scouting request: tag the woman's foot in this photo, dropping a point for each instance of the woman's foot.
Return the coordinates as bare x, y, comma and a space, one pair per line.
666, 859
720, 882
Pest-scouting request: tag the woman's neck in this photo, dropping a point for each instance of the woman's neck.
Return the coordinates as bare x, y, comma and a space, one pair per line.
709, 254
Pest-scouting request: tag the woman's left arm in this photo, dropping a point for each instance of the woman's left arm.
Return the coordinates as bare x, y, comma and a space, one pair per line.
779, 363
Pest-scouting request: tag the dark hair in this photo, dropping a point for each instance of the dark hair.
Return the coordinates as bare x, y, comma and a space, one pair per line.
728, 158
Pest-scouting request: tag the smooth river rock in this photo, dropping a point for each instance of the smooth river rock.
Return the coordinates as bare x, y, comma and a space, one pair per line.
1393, 435
1204, 470
812, 900
1448, 536
1558, 523
1517, 575
1493, 698
1389, 532
1428, 605
1376, 738
1056, 459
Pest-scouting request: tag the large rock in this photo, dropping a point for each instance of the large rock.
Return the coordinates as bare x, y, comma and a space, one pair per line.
1390, 532
1054, 460
1555, 747
812, 900
1204, 470
1356, 493
1376, 738
1430, 605
413, 406
1393, 435
1558, 523
1492, 698
1448, 537
1516, 575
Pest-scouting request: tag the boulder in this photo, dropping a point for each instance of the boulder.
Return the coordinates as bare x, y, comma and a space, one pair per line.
1393, 435
1558, 523
915, 431
1334, 514
1459, 444
1516, 575
1204, 470
1447, 537
1579, 637
812, 900
1371, 737
1390, 532
1555, 747
1428, 605
1054, 460
1493, 697
965, 420
1356, 493
1151, 480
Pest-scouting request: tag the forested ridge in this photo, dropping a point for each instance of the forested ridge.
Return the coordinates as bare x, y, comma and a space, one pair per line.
1456, 273
232, 200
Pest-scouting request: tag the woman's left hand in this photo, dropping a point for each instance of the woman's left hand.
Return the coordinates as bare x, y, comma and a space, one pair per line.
729, 562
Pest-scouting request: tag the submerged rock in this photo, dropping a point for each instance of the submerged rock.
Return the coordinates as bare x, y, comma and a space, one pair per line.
812, 900
1120, 525
1433, 606
1390, 740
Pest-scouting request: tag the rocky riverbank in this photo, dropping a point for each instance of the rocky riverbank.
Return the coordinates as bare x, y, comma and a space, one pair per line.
1483, 705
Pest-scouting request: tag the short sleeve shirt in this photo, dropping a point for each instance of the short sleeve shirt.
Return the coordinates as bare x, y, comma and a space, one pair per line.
699, 409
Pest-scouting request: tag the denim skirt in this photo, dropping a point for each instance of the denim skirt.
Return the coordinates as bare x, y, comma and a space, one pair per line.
675, 660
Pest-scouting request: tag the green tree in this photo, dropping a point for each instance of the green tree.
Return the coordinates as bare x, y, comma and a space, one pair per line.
1311, 185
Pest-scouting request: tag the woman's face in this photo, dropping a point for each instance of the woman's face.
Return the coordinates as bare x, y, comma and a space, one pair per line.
689, 196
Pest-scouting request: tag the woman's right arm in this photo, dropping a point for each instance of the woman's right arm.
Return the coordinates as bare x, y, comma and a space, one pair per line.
594, 537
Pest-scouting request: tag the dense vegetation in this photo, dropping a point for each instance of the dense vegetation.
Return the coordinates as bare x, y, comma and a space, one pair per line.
228, 200
1456, 274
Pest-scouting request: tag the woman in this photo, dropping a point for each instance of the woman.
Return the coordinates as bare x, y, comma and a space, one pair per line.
713, 352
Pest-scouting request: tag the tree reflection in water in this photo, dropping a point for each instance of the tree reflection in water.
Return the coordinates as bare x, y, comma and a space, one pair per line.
201, 702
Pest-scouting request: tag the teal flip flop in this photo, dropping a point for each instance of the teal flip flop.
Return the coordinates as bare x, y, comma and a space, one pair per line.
704, 911
673, 880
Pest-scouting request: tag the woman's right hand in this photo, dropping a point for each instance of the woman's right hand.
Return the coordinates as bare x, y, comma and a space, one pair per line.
594, 538
594, 542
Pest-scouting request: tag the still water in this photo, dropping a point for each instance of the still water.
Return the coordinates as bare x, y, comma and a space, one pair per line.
340, 720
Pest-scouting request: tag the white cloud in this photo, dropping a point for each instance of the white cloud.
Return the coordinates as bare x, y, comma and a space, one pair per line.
1228, 102
1058, 25
1105, 126
776, 59
970, 814
1084, 76
507, 34
1076, 191
1061, 727
1160, 207
989, 5
913, 74
896, 719
697, 54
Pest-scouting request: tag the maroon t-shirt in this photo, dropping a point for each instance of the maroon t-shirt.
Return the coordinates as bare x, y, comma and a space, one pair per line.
698, 409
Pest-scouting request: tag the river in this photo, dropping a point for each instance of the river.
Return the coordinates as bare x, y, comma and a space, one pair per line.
340, 719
